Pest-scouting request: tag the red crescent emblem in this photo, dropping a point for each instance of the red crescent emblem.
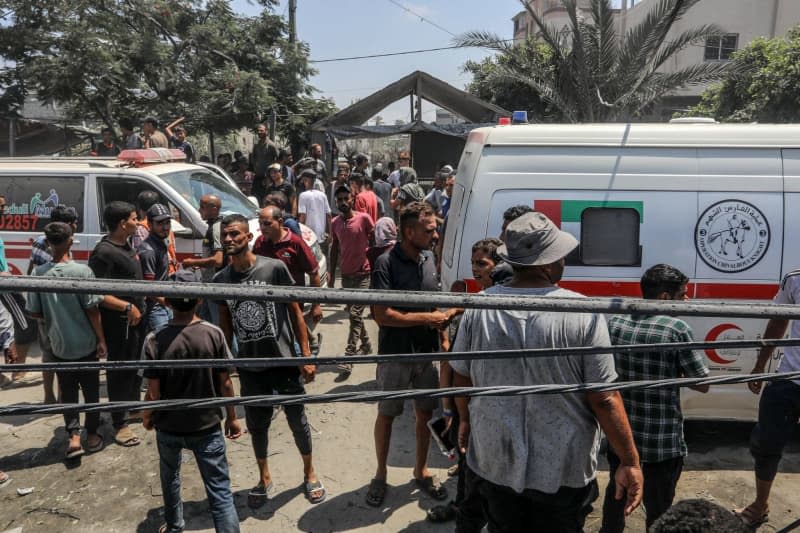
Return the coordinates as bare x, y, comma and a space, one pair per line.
715, 332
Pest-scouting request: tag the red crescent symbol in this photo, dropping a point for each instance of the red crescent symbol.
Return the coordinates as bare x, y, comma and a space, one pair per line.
715, 332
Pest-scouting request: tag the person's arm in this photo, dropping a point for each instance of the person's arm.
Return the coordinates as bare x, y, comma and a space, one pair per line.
316, 309
168, 128
328, 222
93, 314
390, 317
117, 304
214, 261
233, 429
301, 333
226, 322
610, 413
462, 406
153, 394
333, 258
776, 329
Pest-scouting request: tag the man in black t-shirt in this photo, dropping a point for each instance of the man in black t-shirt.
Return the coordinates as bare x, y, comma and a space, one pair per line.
188, 337
278, 184
114, 258
266, 328
154, 258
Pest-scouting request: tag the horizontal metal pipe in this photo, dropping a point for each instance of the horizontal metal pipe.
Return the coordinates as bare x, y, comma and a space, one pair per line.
371, 396
617, 305
271, 362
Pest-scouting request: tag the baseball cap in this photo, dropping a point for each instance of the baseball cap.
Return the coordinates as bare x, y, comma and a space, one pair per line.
158, 212
532, 239
274, 166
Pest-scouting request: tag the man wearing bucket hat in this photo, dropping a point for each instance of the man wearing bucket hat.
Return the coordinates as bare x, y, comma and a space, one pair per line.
532, 478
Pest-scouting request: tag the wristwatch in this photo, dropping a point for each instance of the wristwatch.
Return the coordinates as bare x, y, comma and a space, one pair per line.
128, 307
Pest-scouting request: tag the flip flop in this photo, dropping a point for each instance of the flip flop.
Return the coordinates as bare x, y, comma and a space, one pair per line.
376, 492
750, 519
310, 488
432, 486
442, 513
125, 437
4, 478
74, 453
259, 495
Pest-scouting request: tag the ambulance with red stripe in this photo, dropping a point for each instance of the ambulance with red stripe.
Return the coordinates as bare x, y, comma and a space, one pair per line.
719, 202
34, 186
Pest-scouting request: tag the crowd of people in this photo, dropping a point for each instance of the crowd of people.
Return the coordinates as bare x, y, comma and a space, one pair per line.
380, 232
172, 136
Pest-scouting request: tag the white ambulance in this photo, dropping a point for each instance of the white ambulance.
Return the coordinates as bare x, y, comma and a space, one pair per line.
719, 202
33, 186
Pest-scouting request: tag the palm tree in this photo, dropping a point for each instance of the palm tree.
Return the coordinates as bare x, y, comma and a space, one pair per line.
589, 73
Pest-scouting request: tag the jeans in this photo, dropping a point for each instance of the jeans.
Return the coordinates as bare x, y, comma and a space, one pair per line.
511, 512
660, 480
357, 330
89, 382
778, 413
470, 517
285, 380
209, 452
158, 317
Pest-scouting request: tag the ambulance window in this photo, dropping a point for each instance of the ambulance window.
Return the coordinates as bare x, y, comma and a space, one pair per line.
610, 237
30, 200
124, 190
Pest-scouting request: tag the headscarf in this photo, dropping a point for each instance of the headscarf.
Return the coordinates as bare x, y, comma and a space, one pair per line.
385, 232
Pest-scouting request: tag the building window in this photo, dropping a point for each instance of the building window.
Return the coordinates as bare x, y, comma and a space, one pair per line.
609, 237
721, 48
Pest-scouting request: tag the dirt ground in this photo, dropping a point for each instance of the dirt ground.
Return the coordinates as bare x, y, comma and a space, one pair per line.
117, 489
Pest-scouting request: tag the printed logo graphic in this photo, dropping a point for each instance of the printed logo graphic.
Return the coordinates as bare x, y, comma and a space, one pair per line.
254, 320
732, 236
724, 332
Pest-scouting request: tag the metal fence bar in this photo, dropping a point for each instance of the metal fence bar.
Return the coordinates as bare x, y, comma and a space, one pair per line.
711, 308
272, 362
371, 396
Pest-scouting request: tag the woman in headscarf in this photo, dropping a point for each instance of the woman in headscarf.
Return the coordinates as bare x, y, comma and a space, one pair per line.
385, 238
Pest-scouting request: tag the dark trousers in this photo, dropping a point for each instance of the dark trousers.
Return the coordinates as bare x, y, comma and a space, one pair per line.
509, 511
70, 383
285, 380
660, 480
470, 517
778, 413
124, 344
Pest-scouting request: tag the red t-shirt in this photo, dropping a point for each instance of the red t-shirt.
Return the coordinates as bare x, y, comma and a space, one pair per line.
367, 202
353, 237
293, 251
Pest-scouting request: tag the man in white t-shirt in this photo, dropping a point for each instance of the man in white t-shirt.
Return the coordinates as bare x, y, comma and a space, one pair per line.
779, 407
313, 208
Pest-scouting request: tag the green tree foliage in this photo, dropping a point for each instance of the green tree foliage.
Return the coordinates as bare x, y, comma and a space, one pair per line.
587, 72
765, 88
107, 60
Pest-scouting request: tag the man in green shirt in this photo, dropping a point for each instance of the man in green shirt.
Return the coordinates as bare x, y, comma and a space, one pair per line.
72, 324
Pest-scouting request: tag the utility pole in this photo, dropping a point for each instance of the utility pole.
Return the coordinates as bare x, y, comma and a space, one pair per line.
292, 21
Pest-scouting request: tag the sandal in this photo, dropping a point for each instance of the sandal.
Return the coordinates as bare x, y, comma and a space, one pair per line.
97, 447
432, 486
73, 453
376, 492
310, 488
126, 437
4, 478
749, 517
442, 513
259, 495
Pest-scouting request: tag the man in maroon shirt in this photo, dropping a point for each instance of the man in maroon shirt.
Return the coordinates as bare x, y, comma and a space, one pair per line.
365, 201
278, 242
352, 232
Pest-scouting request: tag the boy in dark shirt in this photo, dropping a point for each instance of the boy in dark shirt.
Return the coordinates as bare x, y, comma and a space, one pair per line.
188, 337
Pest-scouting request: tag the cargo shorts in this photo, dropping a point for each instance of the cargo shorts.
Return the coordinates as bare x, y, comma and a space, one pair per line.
404, 376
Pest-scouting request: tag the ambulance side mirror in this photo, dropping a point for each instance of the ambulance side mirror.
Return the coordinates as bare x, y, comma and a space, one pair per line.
179, 230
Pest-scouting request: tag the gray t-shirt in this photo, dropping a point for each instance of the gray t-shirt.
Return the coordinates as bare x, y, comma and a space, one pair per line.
262, 327
537, 441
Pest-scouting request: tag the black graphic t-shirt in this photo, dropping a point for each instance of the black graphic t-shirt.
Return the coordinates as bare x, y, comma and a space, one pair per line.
262, 328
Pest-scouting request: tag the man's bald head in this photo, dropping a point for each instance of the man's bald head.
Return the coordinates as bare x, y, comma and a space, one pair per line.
271, 211
210, 200
209, 207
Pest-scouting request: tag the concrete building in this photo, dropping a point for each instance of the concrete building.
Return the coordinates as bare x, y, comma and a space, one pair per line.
741, 20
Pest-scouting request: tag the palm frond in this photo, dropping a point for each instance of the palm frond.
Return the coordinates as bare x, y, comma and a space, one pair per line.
482, 39
663, 83
546, 85
687, 38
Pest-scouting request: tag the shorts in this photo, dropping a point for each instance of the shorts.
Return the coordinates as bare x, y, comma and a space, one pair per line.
404, 376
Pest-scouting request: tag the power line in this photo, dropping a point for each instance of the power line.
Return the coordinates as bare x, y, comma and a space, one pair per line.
408, 10
389, 54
